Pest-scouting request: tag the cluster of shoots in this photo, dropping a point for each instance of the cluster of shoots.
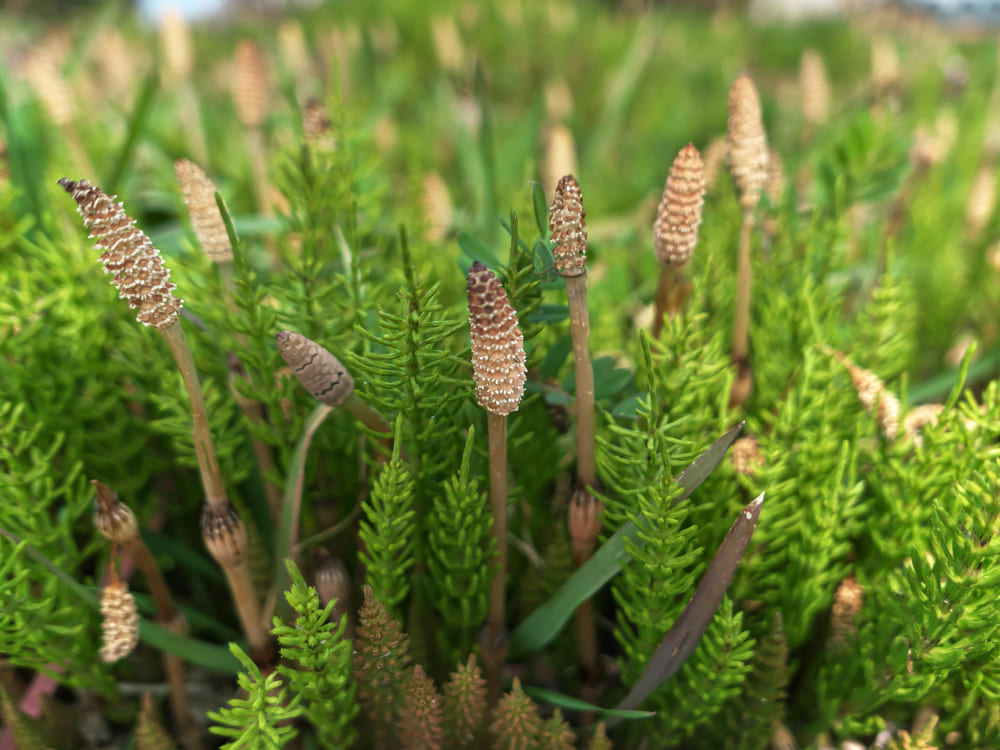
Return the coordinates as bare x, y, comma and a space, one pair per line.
499, 372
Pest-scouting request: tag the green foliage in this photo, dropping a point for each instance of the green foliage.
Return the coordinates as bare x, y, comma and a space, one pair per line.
42, 623
411, 368
388, 527
460, 548
750, 717
867, 253
651, 592
318, 664
865, 161
261, 720
810, 474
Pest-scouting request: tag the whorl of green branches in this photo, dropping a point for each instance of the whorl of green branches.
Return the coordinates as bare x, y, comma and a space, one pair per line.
459, 551
264, 719
318, 664
388, 529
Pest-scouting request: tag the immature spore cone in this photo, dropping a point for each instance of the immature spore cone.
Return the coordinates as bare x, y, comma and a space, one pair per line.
679, 214
206, 219
568, 227
120, 623
497, 343
874, 396
747, 141
319, 371
128, 253
224, 533
178, 49
847, 603
250, 90
113, 518
814, 88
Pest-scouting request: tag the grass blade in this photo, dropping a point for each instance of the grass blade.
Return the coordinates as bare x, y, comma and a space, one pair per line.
546, 622
135, 125
541, 209
682, 639
290, 506
570, 703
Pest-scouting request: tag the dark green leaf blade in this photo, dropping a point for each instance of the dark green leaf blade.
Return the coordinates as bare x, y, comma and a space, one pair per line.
570, 703
474, 249
682, 639
541, 209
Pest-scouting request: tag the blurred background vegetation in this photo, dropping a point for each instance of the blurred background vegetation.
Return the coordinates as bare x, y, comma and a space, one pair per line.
878, 236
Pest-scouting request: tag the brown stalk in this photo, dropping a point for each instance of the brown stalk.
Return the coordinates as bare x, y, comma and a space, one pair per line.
585, 522
748, 159
499, 372
568, 227
250, 93
675, 231
116, 521
567, 224
144, 282
206, 220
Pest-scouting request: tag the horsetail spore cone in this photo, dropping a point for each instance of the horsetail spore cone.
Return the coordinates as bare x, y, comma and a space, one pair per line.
747, 141
128, 253
675, 232
119, 623
206, 220
679, 214
497, 343
316, 368
568, 227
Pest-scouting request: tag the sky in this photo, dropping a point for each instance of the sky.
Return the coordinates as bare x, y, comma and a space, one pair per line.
192, 9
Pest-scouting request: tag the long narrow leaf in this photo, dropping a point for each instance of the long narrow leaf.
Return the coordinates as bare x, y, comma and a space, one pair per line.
291, 503
963, 374
682, 639
541, 209
207, 655
136, 123
546, 622
570, 703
